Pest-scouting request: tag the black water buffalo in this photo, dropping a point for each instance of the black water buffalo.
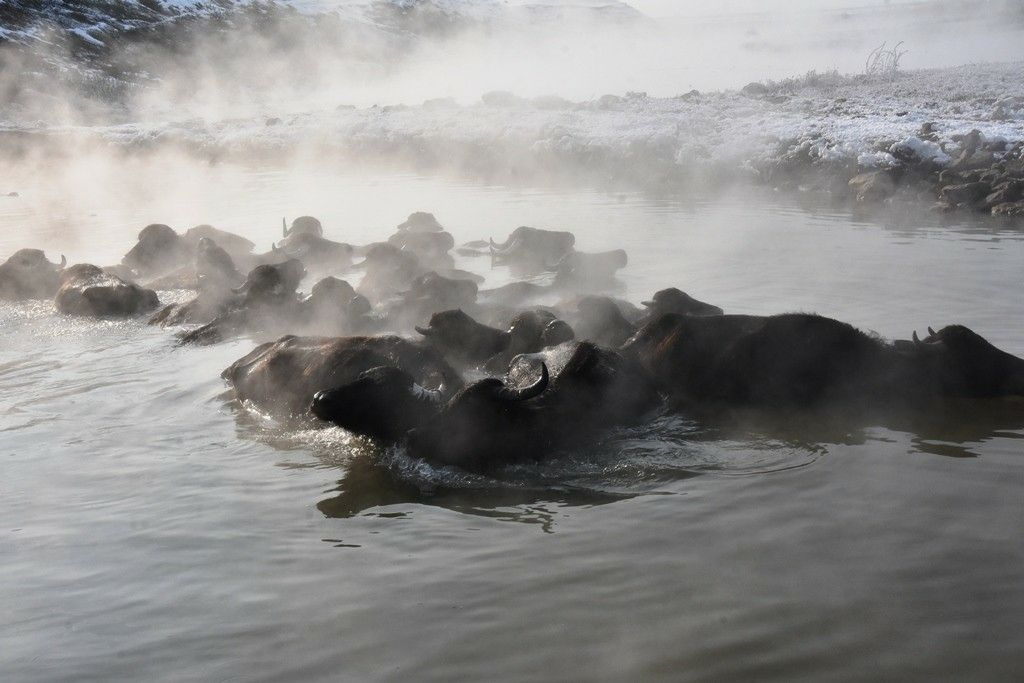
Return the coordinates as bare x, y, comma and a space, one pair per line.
531, 249
283, 376
88, 290
303, 225
802, 360
333, 307
216, 279
159, 251
431, 248
238, 247
673, 300
28, 275
384, 403
305, 242
428, 294
420, 221
388, 271
493, 422
600, 319
318, 252
265, 303
459, 337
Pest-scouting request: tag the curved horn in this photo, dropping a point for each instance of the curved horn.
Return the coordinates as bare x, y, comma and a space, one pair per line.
425, 331
917, 340
502, 248
931, 332
526, 393
284, 227
63, 261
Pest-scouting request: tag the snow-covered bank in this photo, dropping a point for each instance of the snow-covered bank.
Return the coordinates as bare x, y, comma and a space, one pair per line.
764, 129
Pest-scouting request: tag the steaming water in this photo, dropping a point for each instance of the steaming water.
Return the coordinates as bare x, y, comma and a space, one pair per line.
150, 531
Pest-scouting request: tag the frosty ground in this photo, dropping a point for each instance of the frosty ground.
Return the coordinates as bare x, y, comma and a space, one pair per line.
822, 118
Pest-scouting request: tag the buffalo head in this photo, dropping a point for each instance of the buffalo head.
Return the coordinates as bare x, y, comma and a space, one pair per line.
456, 334
28, 275
303, 225
420, 221
383, 403
158, 251
956, 362
487, 422
673, 300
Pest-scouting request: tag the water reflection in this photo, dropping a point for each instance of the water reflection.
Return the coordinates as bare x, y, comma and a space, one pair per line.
369, 484
656, 458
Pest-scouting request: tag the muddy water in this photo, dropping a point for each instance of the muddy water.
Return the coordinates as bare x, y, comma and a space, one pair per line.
152, 531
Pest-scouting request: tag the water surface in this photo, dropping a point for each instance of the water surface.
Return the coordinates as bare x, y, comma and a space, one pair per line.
153, 531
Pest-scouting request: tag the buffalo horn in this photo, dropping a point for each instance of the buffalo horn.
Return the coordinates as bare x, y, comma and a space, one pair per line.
526, 393
284, 227
931, 332
425, 331
63, 261
917, 340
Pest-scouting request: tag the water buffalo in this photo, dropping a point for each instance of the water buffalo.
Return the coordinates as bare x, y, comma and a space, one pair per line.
238, 247
283, 376
159, 251
305, 241
458, 336
267, 301
428, 294
28, 275
420, 221
493, 422
333, 307
303, 225
673, 300
216, 280
384, 403
600, 319
88, 290
803, 360
462, 339
431, 248
532, 250
388, 271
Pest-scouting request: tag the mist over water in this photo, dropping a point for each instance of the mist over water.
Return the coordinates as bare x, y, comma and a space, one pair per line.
154, 529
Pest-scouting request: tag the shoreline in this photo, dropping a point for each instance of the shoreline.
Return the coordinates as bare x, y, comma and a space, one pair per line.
927, 133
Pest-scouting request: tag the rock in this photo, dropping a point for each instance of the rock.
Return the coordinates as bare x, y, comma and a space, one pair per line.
754, 89
972, 159
967, 193
1008, 209
1005, 193
87, 290
873, 185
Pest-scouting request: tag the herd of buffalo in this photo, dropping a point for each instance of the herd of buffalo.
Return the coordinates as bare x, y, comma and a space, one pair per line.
418, 353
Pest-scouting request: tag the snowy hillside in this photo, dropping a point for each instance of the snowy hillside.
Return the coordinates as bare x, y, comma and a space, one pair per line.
95, 22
